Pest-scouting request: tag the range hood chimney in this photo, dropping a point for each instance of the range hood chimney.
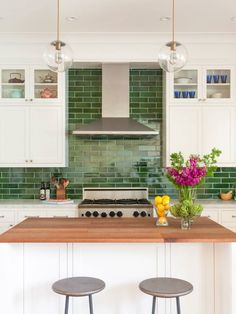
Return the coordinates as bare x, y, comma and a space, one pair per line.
115, 106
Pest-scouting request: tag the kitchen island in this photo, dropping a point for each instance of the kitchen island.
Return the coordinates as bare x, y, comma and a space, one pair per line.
122, 252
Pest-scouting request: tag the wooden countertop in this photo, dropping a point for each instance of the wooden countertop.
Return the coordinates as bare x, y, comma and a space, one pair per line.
124, 230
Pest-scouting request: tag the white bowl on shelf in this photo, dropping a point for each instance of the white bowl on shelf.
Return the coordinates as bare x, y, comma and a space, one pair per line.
216, 95
183, 80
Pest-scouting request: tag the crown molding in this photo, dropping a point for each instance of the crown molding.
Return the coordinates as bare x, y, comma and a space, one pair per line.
106, 38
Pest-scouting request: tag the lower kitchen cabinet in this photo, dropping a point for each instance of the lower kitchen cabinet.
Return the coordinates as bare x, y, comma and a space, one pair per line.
32, 136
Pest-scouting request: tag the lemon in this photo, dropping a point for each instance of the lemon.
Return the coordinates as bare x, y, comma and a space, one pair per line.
167, 207
158, 200
165, 200
160, 213
160, 207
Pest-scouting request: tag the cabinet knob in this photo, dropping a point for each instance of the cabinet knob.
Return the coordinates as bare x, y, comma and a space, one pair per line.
31, 99
26, 99
233, 216
31, 160
2, 216
26, 160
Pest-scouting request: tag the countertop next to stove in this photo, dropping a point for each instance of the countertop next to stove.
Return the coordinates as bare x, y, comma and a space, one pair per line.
127, 230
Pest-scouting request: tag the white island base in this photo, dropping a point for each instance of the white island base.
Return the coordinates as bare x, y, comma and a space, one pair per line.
27, 272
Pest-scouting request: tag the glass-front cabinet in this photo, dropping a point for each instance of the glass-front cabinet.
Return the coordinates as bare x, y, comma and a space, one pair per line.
201, 84
30, 84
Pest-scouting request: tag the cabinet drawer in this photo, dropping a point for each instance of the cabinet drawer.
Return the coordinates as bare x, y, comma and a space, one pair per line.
212, 214
7, 216
5, 226
62, 213
228, 216
24, 214
230, 226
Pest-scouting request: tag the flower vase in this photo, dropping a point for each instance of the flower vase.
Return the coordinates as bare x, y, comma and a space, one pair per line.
186, 223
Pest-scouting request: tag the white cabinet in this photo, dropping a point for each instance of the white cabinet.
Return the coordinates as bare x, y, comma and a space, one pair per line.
199, 111
182, 129
13, 136
30, 84
212, 214
46, 137
218, 130
32, 136
7, 219
32, 117
202, 83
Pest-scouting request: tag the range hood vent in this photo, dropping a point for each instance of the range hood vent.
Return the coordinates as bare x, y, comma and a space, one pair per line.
115, 106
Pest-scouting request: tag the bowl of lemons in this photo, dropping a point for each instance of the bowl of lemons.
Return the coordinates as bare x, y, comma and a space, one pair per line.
162, 206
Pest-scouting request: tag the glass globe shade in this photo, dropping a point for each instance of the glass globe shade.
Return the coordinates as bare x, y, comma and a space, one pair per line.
172, 57
58, 60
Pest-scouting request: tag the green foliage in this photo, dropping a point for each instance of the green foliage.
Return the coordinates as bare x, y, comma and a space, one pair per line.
186, 208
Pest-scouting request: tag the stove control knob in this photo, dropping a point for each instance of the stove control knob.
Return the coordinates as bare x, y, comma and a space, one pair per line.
119, 214
143, 214
88, 214
112, 214
103, 214
95, 214
136, 213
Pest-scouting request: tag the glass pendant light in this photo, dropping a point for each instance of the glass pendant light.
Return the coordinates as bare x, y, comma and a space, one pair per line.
58, 55
173, 55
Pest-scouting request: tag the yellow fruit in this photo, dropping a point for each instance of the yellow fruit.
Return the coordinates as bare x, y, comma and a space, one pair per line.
162, 220
160, 213
160, 207
165, 200
167, 207
158, 200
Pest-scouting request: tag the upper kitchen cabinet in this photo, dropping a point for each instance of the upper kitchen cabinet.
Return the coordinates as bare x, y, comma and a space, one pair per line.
200, 112
201, 84
30, 84
32, 117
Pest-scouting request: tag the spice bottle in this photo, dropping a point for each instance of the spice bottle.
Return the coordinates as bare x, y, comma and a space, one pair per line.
42, 193
47, 193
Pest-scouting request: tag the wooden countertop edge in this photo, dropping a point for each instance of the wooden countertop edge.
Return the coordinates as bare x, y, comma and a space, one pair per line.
126, 230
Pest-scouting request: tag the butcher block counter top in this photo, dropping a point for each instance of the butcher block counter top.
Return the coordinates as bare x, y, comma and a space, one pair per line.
125, 230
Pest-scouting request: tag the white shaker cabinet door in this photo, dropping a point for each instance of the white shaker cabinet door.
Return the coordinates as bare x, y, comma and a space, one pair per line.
46, 136
13, 136
183, 132
218, 131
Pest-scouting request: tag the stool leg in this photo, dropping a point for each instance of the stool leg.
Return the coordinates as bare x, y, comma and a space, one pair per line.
90, 304
67, 304
178, 305
153, 305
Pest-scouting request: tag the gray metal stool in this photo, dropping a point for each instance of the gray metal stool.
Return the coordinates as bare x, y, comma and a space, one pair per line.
78, 287
165, 288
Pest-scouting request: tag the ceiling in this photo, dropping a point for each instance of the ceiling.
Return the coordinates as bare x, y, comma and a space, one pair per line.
117, 16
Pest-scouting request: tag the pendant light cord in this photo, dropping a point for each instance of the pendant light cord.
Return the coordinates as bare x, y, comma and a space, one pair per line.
173, 21
58, 19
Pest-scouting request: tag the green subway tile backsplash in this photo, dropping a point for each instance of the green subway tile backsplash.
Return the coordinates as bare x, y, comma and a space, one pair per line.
106, 161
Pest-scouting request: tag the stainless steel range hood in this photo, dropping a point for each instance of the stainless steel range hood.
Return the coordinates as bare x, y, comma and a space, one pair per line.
115, 106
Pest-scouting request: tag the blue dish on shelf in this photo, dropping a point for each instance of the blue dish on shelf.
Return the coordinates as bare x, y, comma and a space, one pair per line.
223, 79
185, 94
177, 94
216, 78
209, 79
191, 94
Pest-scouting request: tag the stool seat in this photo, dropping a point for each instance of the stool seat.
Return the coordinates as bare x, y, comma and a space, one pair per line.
163, 287
78, 286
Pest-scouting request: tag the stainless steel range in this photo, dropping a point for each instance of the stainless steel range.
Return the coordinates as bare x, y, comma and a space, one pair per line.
115, 203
